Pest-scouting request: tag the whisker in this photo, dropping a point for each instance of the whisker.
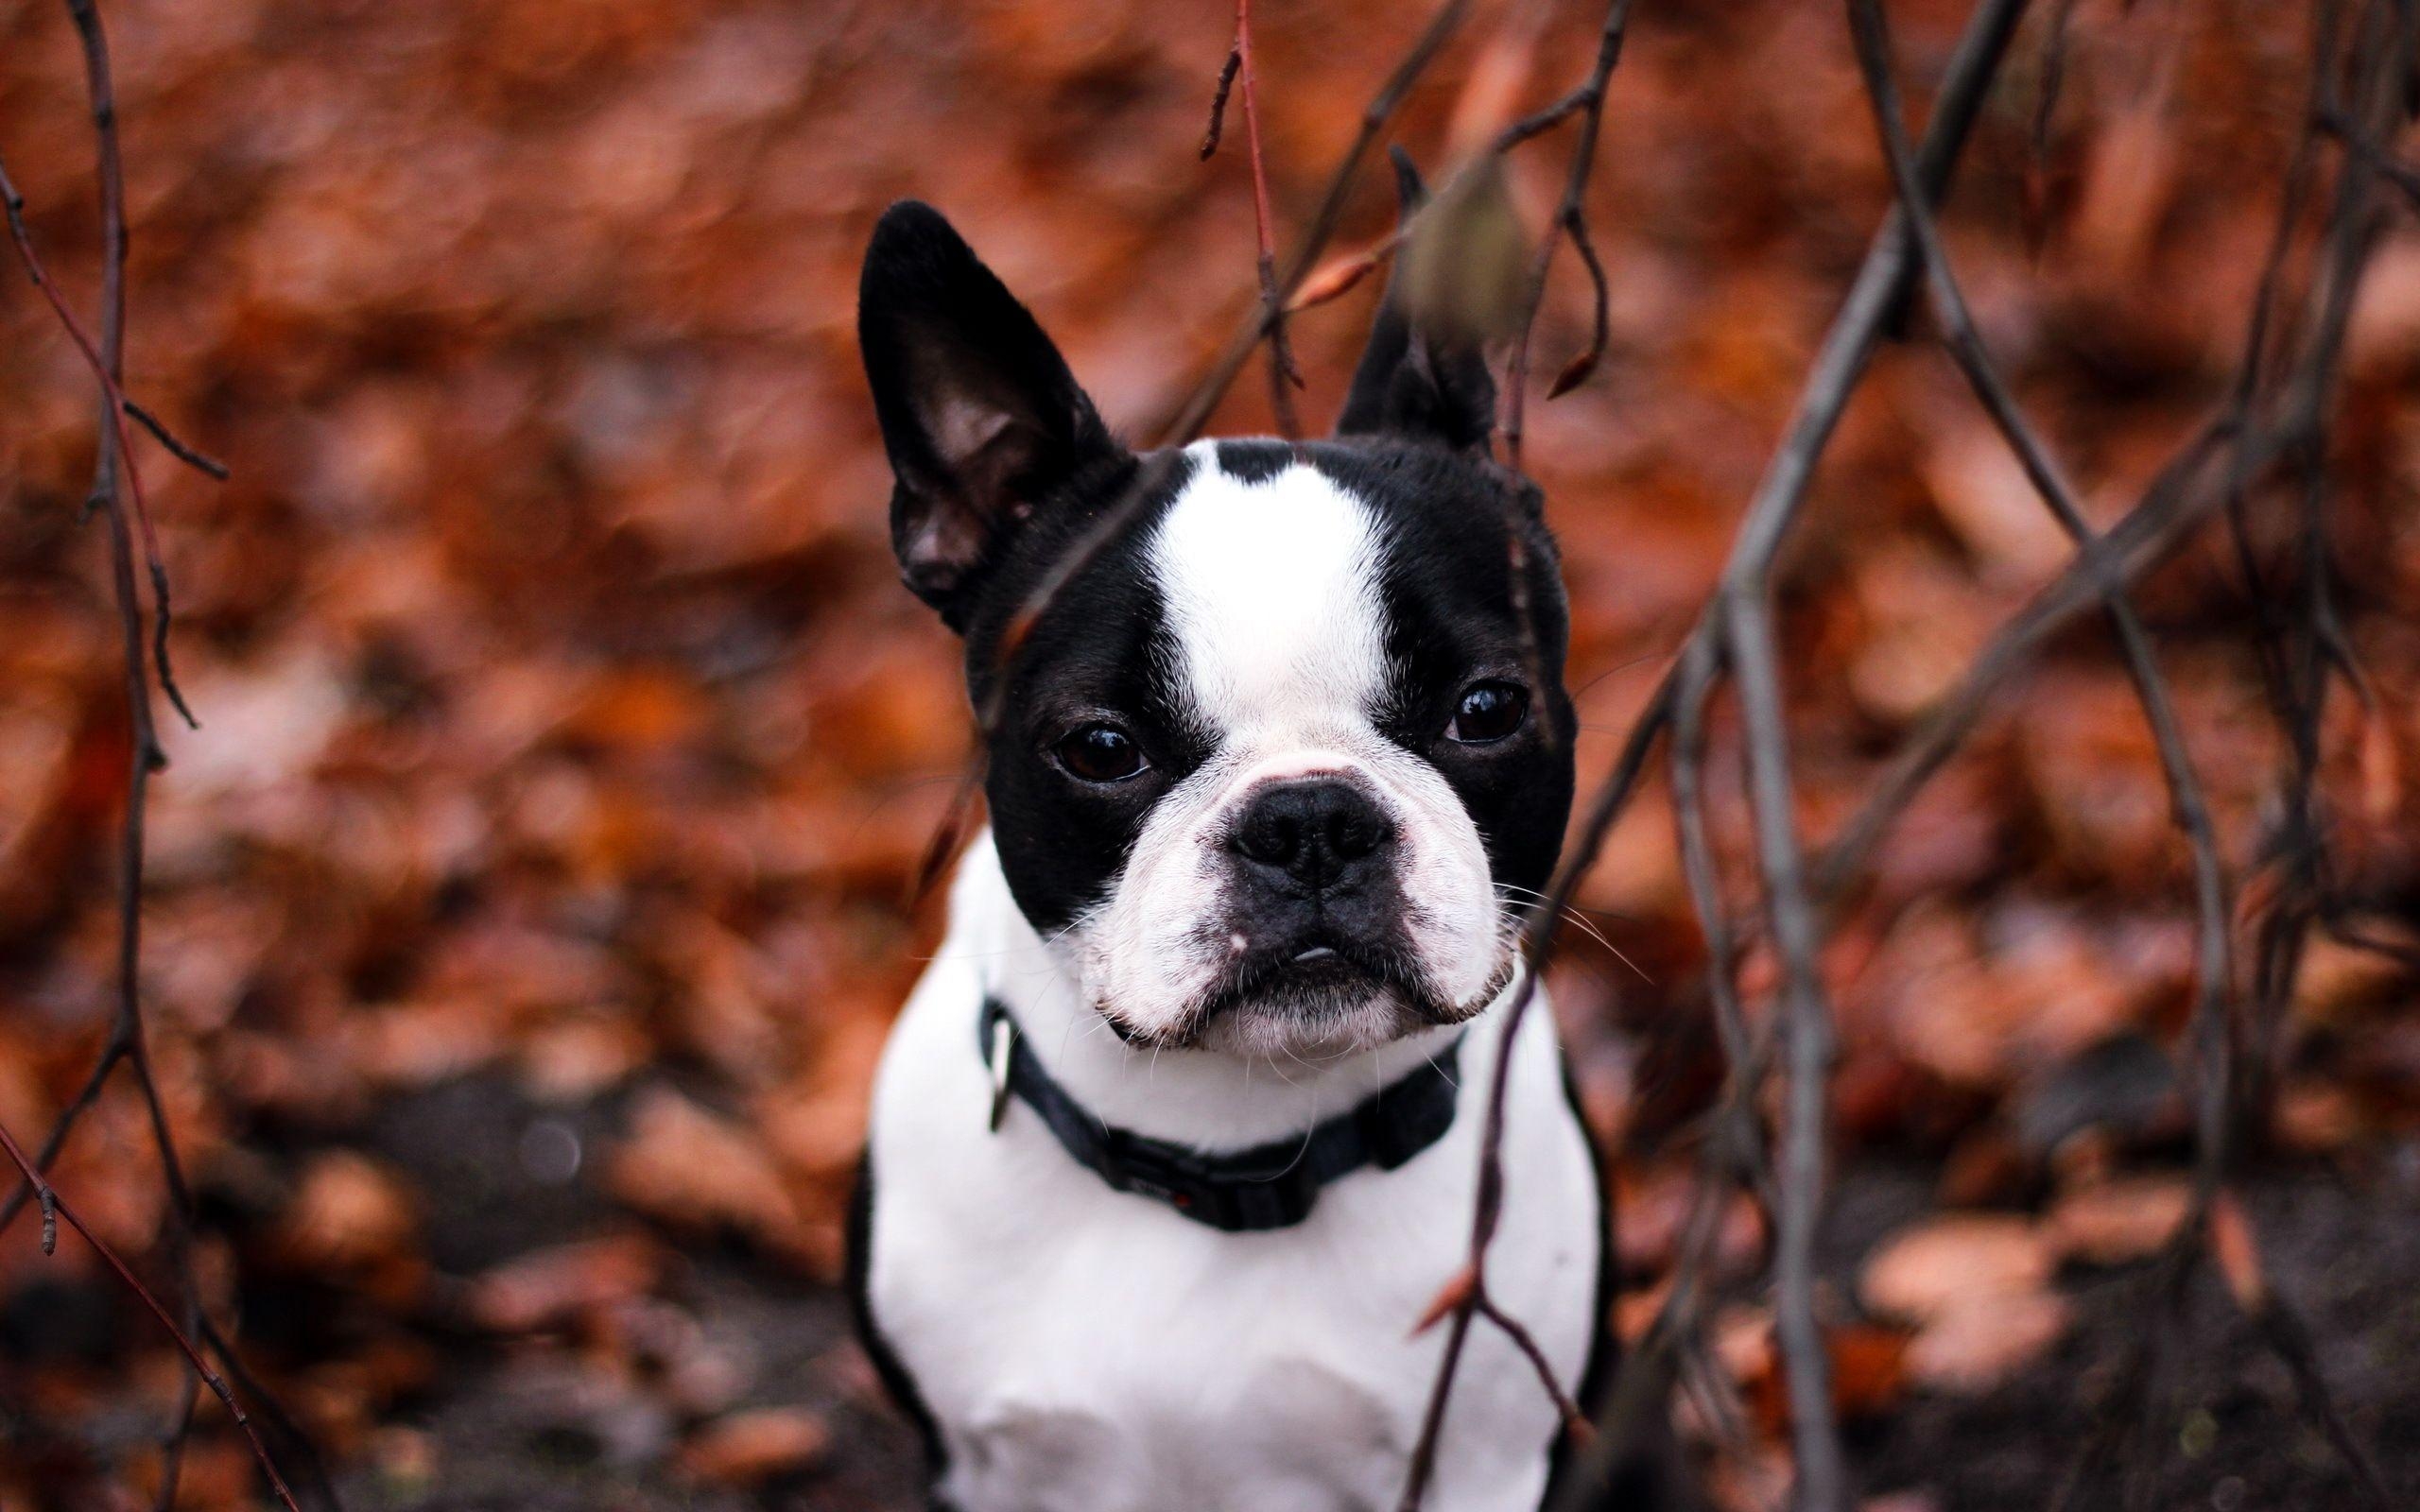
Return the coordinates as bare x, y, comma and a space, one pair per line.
1615, 670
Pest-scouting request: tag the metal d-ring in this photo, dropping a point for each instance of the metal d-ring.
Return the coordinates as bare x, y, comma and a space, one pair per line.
1003, 1032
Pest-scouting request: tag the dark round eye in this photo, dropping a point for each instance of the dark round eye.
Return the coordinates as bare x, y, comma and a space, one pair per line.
1099, 753
1489, 712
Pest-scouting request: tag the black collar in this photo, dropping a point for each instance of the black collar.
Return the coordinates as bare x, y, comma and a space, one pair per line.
1267, 1186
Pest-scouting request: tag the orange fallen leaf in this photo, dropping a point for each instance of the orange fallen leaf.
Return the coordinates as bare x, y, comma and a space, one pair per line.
752, 1447
2238, 1252
689, 1166
1981, 1341
1450, 1298
2123, 1220
348, 1211
550, 1286
1924, 1271
1869, 1369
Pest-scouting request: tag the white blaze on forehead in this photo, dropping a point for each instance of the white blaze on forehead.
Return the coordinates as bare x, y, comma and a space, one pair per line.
1271, 590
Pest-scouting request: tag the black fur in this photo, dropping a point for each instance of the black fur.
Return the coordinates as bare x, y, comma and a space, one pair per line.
980, 417
1256, 460
1100, 648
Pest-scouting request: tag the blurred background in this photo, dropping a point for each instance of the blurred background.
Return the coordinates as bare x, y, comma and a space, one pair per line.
527, 913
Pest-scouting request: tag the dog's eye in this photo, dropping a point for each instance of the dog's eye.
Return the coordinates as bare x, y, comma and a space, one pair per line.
1099, 753
1489, 712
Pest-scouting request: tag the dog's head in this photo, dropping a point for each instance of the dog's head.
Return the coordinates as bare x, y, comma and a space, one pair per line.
1272, 763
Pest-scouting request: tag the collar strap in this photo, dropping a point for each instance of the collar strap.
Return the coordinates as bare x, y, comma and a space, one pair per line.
1267, 1186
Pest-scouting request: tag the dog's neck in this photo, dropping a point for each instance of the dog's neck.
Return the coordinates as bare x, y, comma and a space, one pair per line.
1198, 1097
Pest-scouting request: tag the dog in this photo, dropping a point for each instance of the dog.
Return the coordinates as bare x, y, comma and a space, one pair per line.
1179, 1135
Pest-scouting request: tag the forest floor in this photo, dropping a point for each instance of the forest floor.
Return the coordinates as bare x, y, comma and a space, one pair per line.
522, 1425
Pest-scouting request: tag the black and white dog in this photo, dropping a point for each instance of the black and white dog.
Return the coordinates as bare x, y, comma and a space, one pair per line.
1178, 1134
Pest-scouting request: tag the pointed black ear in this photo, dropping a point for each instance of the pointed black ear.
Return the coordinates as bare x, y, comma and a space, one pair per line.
979, 414
1416, 381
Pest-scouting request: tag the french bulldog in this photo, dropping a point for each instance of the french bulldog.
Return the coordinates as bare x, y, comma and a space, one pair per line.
1180, 1132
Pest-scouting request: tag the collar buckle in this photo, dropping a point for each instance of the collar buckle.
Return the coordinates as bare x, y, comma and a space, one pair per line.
1154, 1169
996, 1055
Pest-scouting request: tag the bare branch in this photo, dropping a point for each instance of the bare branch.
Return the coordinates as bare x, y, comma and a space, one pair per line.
1219, 101
1575, 371
1806, 1019
191, 457
1186, 422
1574, 1421
127, 1043
1283, 376
1588, 103
52, 1202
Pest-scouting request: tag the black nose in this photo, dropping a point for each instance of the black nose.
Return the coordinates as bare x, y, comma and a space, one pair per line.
1321, 832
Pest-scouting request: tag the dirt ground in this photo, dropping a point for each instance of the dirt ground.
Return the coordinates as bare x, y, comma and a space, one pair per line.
519, 1426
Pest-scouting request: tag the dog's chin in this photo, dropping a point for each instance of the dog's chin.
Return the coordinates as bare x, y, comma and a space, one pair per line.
1311, 1009
1313, 1025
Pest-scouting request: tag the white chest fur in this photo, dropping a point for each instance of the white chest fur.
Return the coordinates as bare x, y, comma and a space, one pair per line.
1083, 1348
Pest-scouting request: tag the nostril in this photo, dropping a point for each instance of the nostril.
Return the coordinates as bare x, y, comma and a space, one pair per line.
1355, 833
1273, 838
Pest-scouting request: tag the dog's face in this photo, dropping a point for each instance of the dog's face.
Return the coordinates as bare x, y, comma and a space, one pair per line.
1274, 763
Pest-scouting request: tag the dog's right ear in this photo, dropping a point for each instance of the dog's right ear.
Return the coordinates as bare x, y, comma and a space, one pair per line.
979, 414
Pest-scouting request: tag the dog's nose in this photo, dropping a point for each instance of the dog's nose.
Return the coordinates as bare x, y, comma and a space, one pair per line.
1322, 833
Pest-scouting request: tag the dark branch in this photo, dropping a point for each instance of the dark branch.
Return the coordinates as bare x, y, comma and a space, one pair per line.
1219, 102
200, 461
53, 1203
1186, 422
1588, 103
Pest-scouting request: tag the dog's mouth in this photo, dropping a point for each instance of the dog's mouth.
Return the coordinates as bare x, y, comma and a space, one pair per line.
1318, 993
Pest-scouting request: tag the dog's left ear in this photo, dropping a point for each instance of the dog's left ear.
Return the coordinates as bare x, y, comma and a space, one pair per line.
981, 418
1416, 380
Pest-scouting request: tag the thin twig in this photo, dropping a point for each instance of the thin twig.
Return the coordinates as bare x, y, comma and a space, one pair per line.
199, 461
1219, 102
1185, 422
2394, 169
14, 205
115, 442
1423, 1463
1575, 371
1284, 377
1522, 1340
1544, 923
52, 1202
1588, 103
1697, 864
